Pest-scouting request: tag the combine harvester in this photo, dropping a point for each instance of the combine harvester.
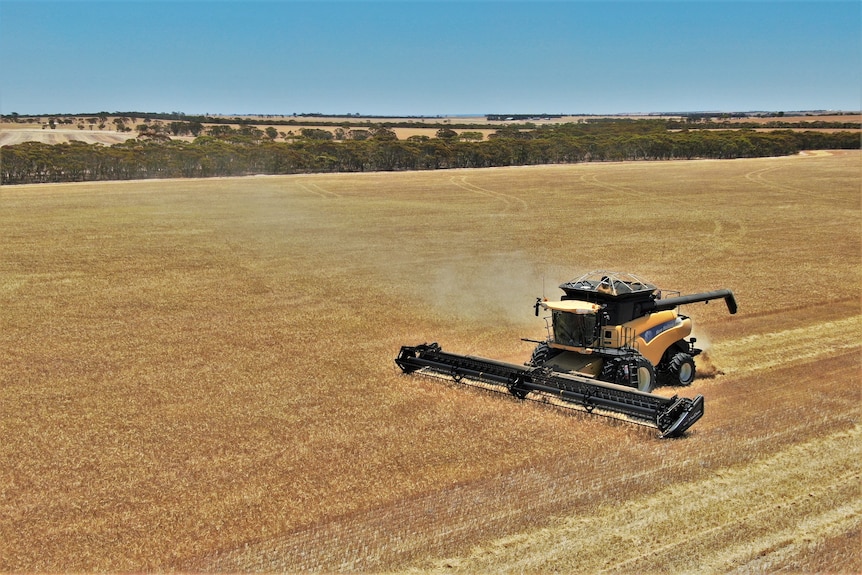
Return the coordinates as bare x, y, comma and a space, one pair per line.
612, 338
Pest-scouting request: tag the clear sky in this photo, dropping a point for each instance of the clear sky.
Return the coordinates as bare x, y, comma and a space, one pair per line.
429, 58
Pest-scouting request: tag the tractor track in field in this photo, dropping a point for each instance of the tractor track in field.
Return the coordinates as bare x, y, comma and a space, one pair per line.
509, 200
759, 177
593, 180
319, 191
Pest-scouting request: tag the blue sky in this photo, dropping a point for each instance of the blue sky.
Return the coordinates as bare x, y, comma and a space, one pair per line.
429, 58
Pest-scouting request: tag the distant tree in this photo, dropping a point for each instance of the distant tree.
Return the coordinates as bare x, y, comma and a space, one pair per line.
220, 131
178, 128
196, 128
359, 135
471, 136
509, 132
385, 134
271, 133
447, 134
251, 132
316, 134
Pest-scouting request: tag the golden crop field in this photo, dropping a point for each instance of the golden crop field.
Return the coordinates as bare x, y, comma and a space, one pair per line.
198, 375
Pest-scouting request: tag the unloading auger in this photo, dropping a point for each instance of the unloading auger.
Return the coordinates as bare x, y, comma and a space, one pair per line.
611, 340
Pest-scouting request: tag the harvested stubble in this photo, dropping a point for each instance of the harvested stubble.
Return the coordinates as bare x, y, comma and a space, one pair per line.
198, 375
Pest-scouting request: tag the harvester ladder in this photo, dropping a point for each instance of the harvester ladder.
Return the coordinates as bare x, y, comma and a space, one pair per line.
634, 375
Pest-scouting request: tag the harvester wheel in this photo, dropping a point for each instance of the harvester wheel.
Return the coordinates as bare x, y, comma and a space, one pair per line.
620, 372
681, 369
541, 354
646, 375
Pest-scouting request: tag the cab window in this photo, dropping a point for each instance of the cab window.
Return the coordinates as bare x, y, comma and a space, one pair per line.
577, 330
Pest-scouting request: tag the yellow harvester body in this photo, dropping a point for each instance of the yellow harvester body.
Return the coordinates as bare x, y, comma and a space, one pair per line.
619, 328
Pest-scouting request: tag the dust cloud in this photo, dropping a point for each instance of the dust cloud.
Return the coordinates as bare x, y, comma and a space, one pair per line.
497, 289
706, 367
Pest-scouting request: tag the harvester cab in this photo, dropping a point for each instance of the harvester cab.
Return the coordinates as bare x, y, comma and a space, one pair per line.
618, 328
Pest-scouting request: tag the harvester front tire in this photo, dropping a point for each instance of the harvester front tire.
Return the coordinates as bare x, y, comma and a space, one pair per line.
681, 369
614, 371
541, 355
646, 375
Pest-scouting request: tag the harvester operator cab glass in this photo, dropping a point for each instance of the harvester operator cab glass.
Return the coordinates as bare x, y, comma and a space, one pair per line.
574, 329
575, 323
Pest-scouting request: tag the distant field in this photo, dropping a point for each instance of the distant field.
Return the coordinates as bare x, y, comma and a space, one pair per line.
198, 375
12, 136
844, 118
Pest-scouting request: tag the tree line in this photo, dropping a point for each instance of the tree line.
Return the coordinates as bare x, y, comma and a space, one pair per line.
246, 151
